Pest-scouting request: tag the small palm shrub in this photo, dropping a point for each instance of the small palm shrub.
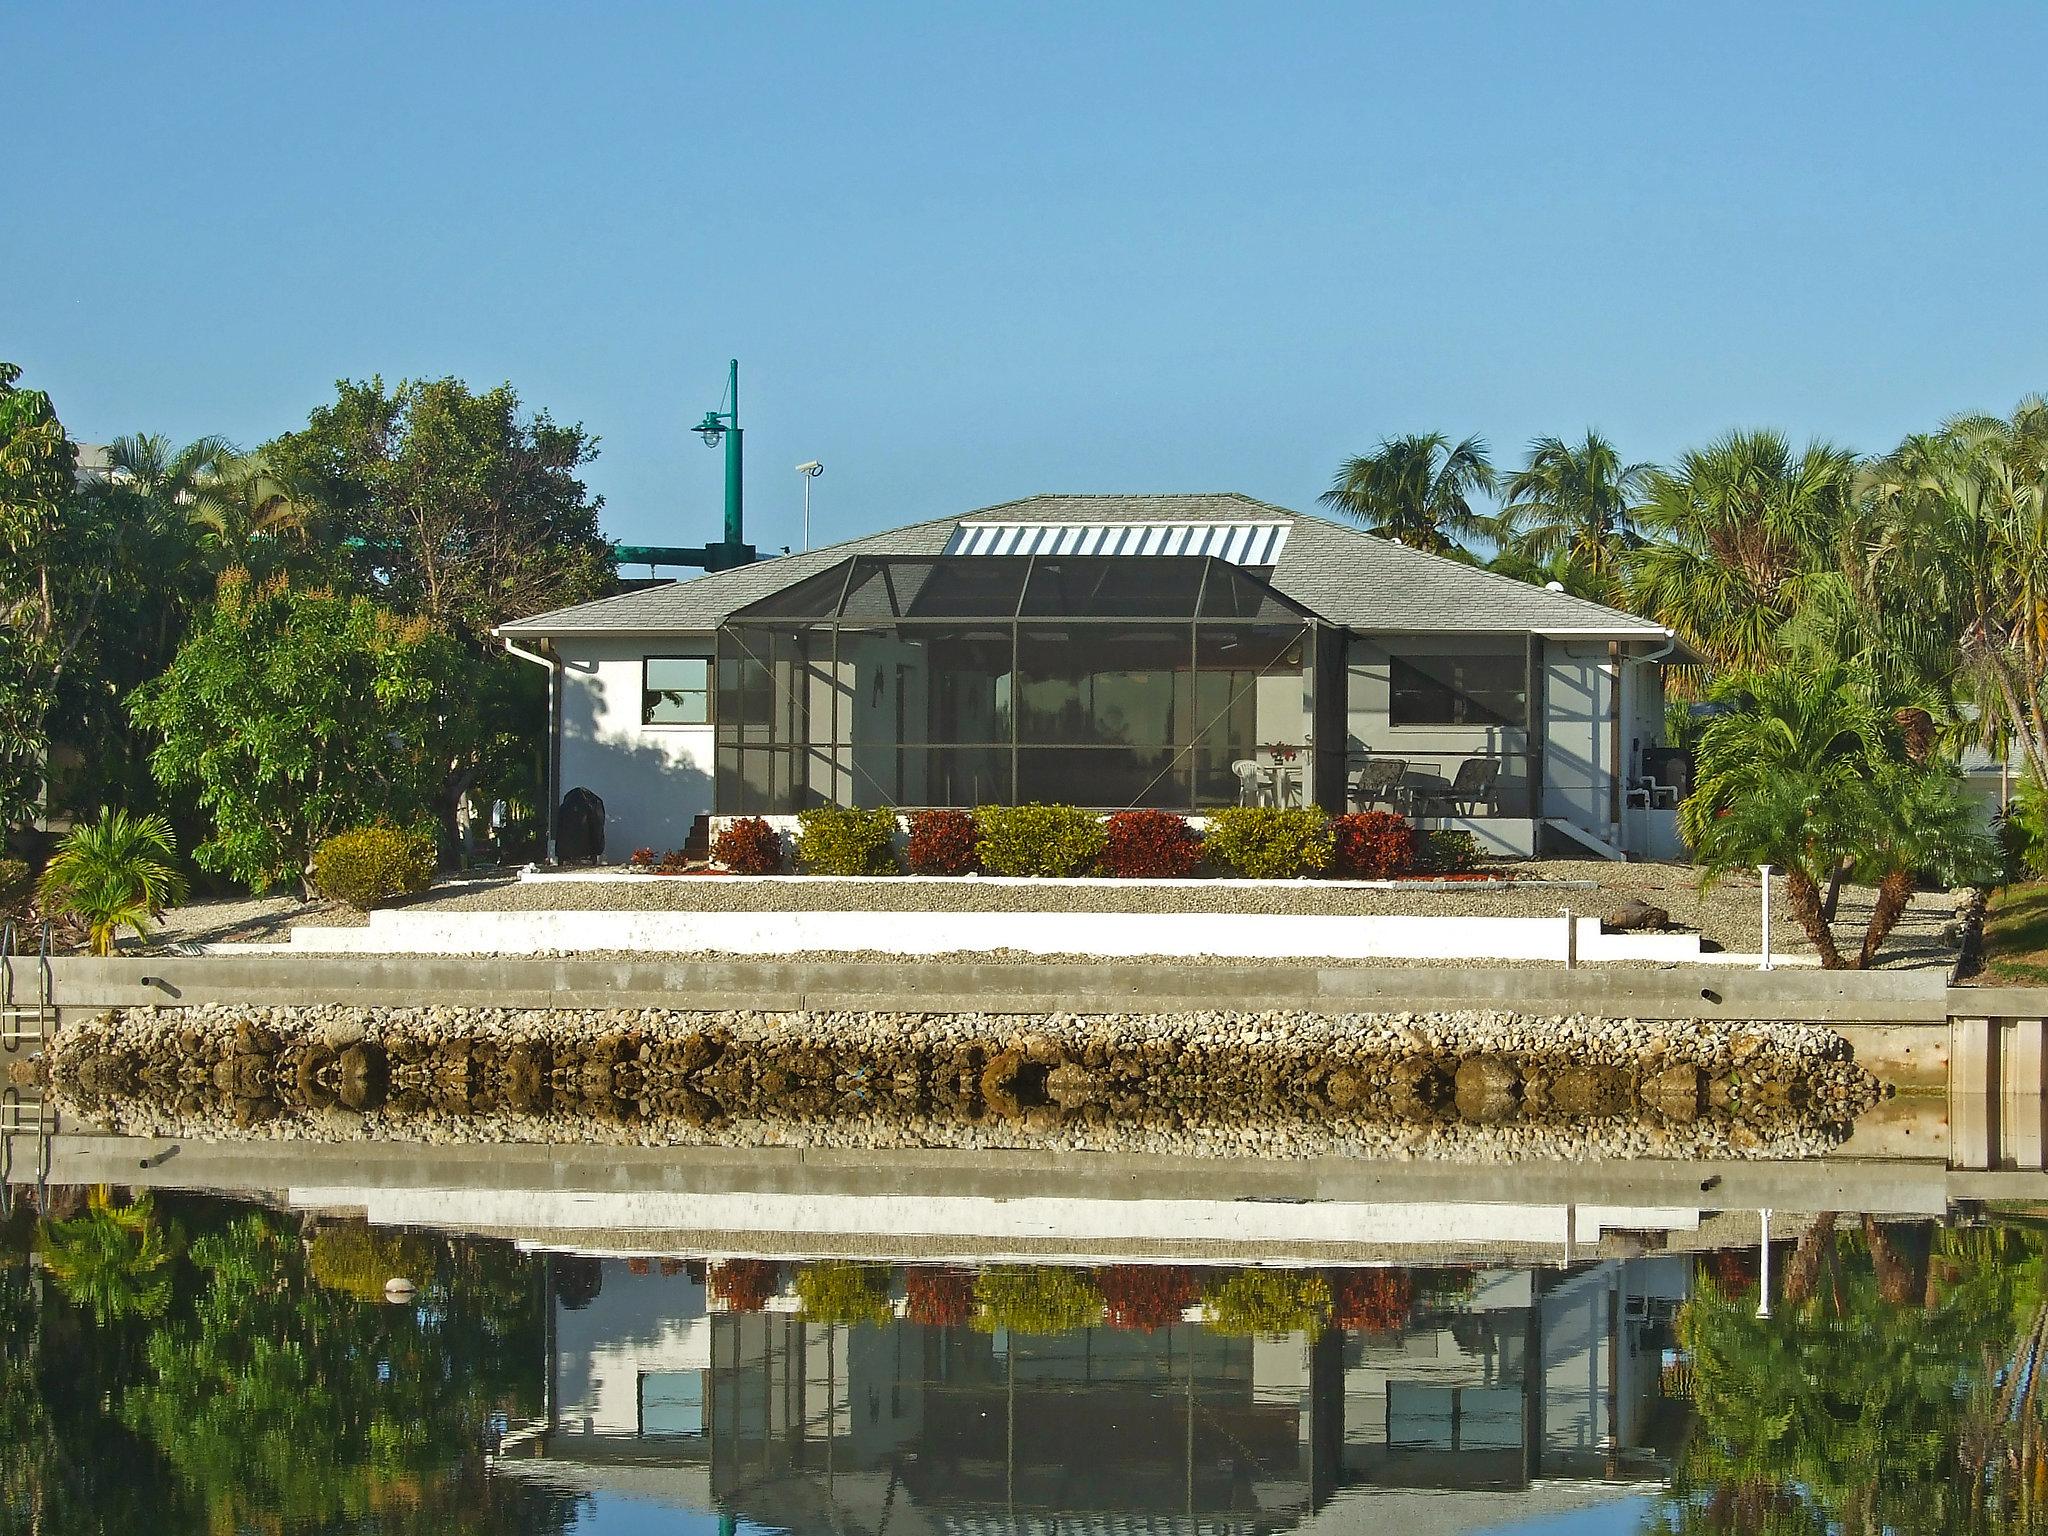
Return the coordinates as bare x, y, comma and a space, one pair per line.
1443, 852
937, 1296
1259, 1301
1372, 845
1270, 842
838, 840
1036, 1298
1150, 845
372, 865
941, 843
749, 846
835, 1292
114, 873
1055, 840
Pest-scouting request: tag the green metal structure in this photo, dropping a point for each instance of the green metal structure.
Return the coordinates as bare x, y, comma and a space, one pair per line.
733, 550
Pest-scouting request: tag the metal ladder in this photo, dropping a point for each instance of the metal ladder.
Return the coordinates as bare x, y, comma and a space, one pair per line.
23, 1023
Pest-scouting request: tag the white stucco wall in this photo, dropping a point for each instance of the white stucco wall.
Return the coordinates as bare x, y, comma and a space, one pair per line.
654, 779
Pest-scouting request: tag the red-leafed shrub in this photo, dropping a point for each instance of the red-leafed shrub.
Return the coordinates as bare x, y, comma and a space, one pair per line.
1150, 845
744, 1285
749, 846
938, 1297
674, 862
941, 843
643, 858
1371, 1300
639, 1266
1373, 845
1146, 1296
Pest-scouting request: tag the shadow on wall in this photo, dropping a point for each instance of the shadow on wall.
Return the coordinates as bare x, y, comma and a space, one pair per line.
650, 796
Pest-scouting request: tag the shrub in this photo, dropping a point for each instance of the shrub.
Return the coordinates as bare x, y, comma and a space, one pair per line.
1249, 1301
643, 858
938, 1297
749, 846
674, 862
1267, 842
373, 864
1038, 839
835, 1292
1371, 1300
744, 1285
111, 874
355, 1259
15, 885
1150, 845
1447, 853
1037, 1298
1372, 845
1146, 1296
837, 840
941, 843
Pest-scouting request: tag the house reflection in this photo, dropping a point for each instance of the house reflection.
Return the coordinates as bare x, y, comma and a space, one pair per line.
1523, 1377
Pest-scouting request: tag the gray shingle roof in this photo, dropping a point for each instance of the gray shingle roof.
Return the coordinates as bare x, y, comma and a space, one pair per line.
1347, 576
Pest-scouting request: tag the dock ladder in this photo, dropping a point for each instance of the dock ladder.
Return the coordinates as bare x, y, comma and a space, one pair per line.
33, 1024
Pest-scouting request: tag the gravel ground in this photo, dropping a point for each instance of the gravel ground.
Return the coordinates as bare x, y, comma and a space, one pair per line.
1726, 915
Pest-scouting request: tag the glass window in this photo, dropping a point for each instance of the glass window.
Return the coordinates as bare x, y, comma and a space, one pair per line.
1107, 778
1077, 586
1480, 688
676, 690
1102, 684
672, 1403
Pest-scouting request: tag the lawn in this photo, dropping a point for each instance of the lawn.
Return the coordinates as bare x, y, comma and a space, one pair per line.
2016, 935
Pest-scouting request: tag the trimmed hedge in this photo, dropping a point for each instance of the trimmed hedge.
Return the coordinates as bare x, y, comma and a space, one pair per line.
1150, 845
1371, 845
843, 1294
1040, 1299
1269, 842
1442, 852
749, 846
1038, 839
838, 840
941, 843
374, 864
1266, 1301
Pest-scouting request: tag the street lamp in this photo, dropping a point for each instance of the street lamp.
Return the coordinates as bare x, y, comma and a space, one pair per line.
810, 470
724, 426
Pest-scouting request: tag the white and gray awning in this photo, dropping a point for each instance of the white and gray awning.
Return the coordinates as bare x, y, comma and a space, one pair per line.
1236, 543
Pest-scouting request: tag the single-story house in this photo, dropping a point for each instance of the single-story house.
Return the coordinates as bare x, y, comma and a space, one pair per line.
1186, 652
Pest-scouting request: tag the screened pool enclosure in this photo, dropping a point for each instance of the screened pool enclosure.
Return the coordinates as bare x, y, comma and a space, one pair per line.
1108, 682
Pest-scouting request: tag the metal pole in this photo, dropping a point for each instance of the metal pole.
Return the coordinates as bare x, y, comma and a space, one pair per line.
1763, 1297
1764, 871
734, 511
807, 512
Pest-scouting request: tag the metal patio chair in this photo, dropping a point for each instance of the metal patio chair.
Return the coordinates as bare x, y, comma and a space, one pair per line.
1379, 780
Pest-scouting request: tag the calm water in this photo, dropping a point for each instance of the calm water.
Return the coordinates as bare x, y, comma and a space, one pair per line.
188, 1364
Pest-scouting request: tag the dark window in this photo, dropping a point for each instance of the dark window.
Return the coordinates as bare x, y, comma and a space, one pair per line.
1483, 688
676, 690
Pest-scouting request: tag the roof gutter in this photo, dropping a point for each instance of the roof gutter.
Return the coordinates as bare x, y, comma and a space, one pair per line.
551, 764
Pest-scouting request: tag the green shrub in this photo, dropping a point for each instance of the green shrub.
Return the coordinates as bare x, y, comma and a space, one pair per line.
835, 1292
1038, 839
1249, 1301
356, 1259
837, 840
1269, 842
1037, 1298
15, 885
1447, 853
373, 864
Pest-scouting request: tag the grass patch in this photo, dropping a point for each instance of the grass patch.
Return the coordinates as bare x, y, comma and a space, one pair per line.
2016, 934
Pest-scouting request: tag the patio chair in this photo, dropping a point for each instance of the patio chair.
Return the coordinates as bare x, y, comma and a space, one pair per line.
1474, 789
1251, 781
1380, 779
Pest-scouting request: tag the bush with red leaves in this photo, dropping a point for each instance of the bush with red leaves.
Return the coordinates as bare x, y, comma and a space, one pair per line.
749, 846
1150, 845
941, 843
1371, 1300
744, 1285
1146, 1296
1373, 845
938, 1297
643, 858
639, 1266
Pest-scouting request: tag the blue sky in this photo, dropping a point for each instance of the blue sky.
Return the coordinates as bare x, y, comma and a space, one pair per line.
971, 252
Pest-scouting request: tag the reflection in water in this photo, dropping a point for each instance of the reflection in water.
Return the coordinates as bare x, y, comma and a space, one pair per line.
189, 1364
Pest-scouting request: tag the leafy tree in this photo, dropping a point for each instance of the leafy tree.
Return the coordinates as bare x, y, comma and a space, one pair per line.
1570, 503
38, 464
1417, 489
294, 714
114, 873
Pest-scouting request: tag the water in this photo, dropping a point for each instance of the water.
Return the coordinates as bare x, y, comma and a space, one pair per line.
184, 1363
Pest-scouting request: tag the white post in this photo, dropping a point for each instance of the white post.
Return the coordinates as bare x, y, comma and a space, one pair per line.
1763, 1295
1764, 873
1571, 939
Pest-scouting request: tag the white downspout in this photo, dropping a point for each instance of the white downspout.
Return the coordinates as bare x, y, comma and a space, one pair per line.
553, 667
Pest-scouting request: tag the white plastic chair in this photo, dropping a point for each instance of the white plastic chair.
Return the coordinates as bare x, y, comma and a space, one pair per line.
1251, 781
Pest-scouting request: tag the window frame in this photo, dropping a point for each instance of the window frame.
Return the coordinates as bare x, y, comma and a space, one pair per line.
709, 690
1409, 659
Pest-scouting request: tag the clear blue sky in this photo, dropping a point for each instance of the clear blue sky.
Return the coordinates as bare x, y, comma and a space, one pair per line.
968, 252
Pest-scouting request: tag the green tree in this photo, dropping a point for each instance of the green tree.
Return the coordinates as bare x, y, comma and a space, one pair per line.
1570, 503
296, 714
1417, 489
1739, 536
114, 1261
115, 873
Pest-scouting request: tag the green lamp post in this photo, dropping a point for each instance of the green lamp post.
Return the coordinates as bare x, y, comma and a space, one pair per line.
717, 426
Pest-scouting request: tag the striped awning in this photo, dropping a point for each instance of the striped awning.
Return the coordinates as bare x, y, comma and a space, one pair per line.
1237, 543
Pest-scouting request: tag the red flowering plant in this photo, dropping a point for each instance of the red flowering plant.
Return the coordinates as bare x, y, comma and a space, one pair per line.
941, 843
1146, 1297
1371, 1300
1372, 845
749, 846
938, 1297
1150, 845
643, 858
744, 1285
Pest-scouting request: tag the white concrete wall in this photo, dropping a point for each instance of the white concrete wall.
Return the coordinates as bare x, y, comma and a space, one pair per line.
636, 1324
654, 779
1435, 749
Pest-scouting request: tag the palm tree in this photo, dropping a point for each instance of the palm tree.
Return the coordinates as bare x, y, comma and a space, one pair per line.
1416, 490
114, 1261
112, 874
1920, 822
1571, 503
245, 509
1740, 535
